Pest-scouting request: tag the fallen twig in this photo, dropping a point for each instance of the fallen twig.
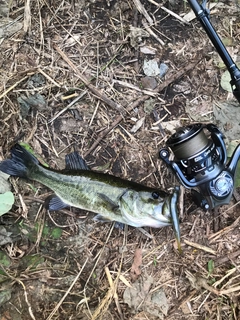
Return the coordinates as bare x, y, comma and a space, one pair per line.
223, 259
169, 12
174, 15
159, 88
48, 77
143, 11
220, 233
68, 106
13, 86
112, 293
131, 86
199, 246
149, 30
94, 90
199, 282
16, 279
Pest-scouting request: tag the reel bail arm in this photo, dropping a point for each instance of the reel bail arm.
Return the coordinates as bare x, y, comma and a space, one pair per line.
203, 16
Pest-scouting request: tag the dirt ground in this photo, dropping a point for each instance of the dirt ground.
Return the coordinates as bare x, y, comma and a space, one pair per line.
72, 78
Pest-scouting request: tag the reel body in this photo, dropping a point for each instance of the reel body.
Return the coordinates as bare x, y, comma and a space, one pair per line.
200, 163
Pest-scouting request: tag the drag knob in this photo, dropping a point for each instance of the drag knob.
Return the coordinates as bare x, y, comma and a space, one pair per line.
222, 185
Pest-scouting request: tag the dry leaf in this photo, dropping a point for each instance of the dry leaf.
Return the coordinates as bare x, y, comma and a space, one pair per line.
136, 35
140, 298
135, 269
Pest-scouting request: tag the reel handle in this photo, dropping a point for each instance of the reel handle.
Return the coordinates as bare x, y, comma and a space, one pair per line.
232, 165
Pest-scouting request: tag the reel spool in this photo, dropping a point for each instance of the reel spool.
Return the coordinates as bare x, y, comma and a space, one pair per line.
200, 158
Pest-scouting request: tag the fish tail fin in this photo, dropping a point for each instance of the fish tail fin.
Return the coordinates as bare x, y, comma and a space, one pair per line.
21, 163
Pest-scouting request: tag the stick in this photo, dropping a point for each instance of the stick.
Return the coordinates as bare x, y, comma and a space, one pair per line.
67, 292
143, 11
94, 90
149, 30
68, 106
169, 12
159, 88
199, 246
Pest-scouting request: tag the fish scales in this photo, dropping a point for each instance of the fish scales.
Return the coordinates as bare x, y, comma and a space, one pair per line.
112, 198
85, 189
82, 189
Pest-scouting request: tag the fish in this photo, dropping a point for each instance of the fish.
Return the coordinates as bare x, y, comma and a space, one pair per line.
111, 198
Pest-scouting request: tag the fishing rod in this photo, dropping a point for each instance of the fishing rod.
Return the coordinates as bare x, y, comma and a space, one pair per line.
200, 155
203, 15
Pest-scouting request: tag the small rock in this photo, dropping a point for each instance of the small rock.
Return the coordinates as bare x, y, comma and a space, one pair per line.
163, 69
151, 68
148, 50
149, 83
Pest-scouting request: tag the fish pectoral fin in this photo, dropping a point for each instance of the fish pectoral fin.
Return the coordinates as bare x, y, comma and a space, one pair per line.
119, 225
108, 203
100, 218
75, 162
54, 203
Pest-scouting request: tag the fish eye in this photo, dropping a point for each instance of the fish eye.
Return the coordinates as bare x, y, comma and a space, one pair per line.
155, 195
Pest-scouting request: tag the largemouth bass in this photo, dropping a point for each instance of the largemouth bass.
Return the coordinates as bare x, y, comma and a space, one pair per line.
112, 198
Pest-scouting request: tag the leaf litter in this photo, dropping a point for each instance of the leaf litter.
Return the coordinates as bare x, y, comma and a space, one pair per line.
140, 298
135, 271
83, 50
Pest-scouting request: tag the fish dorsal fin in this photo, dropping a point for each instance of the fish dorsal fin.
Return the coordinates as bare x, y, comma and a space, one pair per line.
75, 162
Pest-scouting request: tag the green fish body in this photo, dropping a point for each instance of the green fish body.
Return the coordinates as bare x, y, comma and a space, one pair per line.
112, 198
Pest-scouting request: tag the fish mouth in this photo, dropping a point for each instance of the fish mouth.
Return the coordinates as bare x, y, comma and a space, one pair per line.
174, 216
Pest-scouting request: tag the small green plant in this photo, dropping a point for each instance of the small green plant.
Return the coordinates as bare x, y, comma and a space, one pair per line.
6, 202
210, 267
155, 261
32, 261
56, 233
5, 262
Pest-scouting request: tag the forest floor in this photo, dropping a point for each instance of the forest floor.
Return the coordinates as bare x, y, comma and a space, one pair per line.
74, 77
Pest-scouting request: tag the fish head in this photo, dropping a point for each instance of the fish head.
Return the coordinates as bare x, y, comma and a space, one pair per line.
152, 209
144, 208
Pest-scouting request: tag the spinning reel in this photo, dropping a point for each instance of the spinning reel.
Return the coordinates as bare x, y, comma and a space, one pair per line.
200, 162
200, 156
